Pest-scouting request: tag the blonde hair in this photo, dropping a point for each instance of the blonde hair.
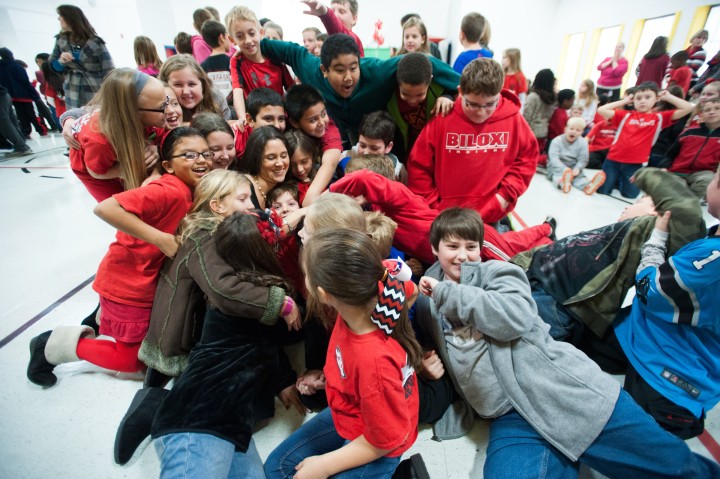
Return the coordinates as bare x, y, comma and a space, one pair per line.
335, 211
215, 185
120, 123
145, 52
415, 22
589, 97
513, 54
240, 14
180, 62
381, 230
576, 122
380, 164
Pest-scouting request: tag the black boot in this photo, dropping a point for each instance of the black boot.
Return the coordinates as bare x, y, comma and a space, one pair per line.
39, 370
412, 468
136, 424
155, 379
91, 320
553, 227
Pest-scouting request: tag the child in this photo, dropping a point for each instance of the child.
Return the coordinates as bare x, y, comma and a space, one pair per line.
481, 155
696, 153
567, 158
217, 64
126, 280
273, 31
380, 164
381, 230
600, 138
306, 111
200, 49
474, 37
414, 37
265, 107
540, 105
588, 100
220, 138
680, 73
637, 131
304, 160
341, 17
283, 198
696, 53
416, 100
710, 90
483, 323
515, 80
576, 111
369, 368
193, 87
320, 40
310, 35
173, 111
146, 56
249, 68
559, 118
183, 43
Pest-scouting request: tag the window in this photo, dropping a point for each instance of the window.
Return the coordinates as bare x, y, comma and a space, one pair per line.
571, 61
609, 38
652, 28
712, 25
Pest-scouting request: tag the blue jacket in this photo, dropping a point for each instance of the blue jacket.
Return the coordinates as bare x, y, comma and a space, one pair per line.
14, 78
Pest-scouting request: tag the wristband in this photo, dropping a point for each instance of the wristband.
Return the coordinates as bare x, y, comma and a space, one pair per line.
287, 309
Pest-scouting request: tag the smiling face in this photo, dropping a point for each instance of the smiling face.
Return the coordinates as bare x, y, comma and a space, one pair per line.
644, 100
285, 204
247, 35
452, 252
269, 115
314, 121
301, 164
413, 40
188, 171
222, 145
275, 162
187, 87
237, 202
173, 111
343, 74
413, 95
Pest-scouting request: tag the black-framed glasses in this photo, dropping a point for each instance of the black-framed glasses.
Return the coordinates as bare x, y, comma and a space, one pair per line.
158, 110
476, 106
194, 155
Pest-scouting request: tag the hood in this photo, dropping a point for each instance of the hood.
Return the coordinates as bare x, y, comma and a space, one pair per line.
509, 105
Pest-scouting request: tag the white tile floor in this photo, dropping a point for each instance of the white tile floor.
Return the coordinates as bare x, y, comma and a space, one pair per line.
51, 243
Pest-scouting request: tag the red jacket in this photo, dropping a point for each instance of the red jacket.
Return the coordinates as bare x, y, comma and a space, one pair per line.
696, 149
459, 163
414, 218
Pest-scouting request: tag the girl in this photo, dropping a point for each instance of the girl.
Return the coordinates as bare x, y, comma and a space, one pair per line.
414, 37
540, 105
80, 55
304, 159
173, 112
653, 65
193, 87
370, 380
127, 277
696, 53
146, 56
220, 138
588, 100
515, 80
111, 156
273, 31
710, 90
265, 162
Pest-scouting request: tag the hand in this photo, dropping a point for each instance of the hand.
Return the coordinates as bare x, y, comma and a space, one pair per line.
289, 397
240, 125
167, 245
151, 156
662, 94
153, 176
427, 284
662, 223
628, 99
311, 468
65, 57
316, 8
67, 134
432, 368
575, 172
310, 382
415, 266
293, 318
443, 106
360, 199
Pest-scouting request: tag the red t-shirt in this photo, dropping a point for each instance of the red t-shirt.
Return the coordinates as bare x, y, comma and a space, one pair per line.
557, 124
601, 136
253, 75
241, 138
516, 83
636, 134
129, 271
370, 389
681, 76
416, 118
331, 139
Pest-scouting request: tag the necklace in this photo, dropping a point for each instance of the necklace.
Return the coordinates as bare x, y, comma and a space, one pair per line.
257, 182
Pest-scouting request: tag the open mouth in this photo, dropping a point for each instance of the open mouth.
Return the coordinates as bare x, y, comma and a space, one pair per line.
200, 170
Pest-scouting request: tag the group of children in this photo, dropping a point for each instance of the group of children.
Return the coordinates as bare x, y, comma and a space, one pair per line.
229, 247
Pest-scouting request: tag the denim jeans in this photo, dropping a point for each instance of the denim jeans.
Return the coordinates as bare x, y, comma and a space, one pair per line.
563, 327
315, 437
617, 175
631, 445
191, 455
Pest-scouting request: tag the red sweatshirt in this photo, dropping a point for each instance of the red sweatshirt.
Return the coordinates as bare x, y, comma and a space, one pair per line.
459, 163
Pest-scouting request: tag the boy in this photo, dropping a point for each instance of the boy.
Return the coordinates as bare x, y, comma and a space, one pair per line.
306, 111
318, 45
337, 75
482, 155
696, 153
680, 73
310, 35
474, 36
637, 132
415, 101
284, 198
217, 65
381, 230
199, 49
249, 69
551, 407
341, 17
568, 157
376, 134
600, 137
380, 164
265, 107
559, 118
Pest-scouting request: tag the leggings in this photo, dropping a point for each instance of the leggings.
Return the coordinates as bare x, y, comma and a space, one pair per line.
113, 355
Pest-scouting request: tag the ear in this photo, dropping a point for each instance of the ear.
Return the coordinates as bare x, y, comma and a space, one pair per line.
388, 147
294, 124
262, 33
217, 207
459, 90
168, 166
249, 120
232, 40
434, 250
323, 295
324, 71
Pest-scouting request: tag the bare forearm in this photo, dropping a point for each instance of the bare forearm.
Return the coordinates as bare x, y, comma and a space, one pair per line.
356, 453
116, 216
323, 176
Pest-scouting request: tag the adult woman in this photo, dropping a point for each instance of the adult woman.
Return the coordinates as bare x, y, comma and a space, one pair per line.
265, 162
612, 70
655, 62
80, 55
696, 53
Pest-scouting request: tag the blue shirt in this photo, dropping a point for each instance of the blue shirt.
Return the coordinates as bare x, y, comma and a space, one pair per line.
469, 55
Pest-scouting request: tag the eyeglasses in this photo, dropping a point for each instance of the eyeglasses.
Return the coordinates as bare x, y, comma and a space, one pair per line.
194, 155
158, 110
476, 106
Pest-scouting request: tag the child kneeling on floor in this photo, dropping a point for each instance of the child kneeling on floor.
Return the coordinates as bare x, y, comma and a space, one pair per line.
567, 158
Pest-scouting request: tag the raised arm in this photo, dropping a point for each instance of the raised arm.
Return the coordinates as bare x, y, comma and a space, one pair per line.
683, 107
607, 111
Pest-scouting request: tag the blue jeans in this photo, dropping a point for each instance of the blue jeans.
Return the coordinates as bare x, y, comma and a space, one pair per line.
315, 437
191, 455
563, 327
617, 175
631, 445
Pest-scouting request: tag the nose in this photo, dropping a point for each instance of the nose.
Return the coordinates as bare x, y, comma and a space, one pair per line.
348, 76
462, 255
276, 123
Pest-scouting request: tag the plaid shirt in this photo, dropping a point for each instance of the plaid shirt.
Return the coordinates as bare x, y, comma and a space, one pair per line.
84, 75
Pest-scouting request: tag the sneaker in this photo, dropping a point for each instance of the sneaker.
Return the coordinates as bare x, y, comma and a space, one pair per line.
596, 182
18, 153
566, 181
552, 222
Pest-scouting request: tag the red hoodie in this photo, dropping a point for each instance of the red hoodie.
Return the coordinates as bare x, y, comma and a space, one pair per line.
459, 163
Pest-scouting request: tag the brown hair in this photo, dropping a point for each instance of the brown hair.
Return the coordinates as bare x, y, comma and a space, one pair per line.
483, 76
456, 222
513, 55
146, 53
415, 22
180, 62
380, 164
476, 28
381, 230
284, 187
201, 16
80, 29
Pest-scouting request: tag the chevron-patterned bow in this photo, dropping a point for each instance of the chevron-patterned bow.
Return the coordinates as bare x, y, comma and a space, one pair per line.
390, 304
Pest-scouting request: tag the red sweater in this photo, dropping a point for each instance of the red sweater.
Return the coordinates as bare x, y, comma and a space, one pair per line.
601, 136
456, 162
696, 149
